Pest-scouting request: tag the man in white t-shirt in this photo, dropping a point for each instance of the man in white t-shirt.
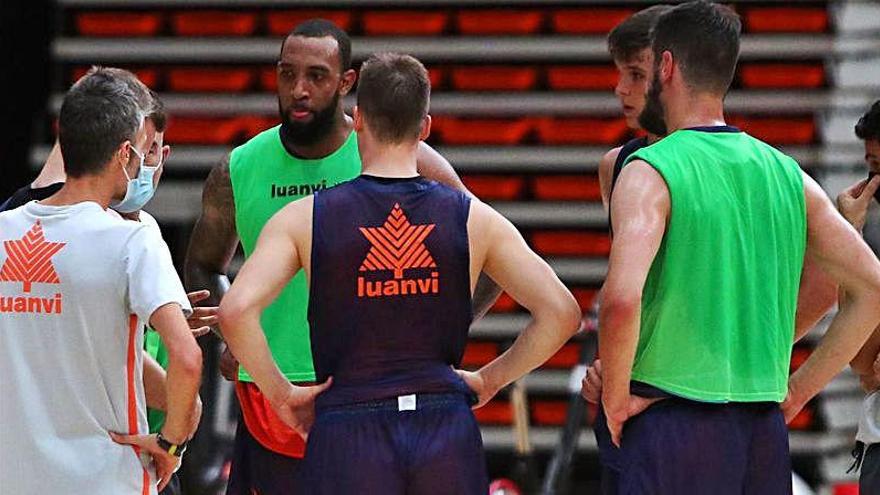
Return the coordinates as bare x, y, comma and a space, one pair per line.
74, 281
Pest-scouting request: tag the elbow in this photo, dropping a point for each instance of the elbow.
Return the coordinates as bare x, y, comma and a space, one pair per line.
188, 360
229, 315
617, 309
568, 314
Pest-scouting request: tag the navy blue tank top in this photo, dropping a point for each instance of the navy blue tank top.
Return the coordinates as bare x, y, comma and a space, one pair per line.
389, 297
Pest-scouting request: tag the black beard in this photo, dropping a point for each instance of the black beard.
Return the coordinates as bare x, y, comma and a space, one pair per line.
309, 133
651, 118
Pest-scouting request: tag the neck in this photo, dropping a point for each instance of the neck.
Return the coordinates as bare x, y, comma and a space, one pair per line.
77, 190
52, 171
325, 146
394, 160
652, 138
699, 110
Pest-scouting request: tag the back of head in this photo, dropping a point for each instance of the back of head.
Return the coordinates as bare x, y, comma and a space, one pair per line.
633, 34
99, 113
393, 95
868, 127
148, 100
320, 28
704, 40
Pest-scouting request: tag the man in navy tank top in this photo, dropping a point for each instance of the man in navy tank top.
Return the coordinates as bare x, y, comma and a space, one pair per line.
392, 260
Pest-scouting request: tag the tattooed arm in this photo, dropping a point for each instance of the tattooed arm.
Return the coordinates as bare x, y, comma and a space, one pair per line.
214, 238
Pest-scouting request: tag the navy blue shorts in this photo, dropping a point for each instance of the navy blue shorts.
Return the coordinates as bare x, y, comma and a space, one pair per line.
258, 470
374, 447
680, 446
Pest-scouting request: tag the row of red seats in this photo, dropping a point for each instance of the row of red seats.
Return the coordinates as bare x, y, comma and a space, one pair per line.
461, 131
471, 78
550, 187
595, 21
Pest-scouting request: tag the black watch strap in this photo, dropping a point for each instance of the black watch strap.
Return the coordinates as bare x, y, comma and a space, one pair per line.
172, 448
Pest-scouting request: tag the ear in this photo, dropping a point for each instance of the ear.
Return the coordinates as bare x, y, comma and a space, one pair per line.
349, 77
166, 152
426, 128
358, 119
123, 152
667, 65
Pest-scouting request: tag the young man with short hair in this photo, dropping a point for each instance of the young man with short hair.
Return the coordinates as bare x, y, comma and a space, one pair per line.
392, 260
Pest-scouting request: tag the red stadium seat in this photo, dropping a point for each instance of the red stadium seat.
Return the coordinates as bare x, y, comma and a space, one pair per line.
268, 78
495, 412
437, 75
281, 23
148, 76
804, 419
581, 130
191, 130
787, 19
549, 412
571, 243
477, 354
505, 304
214, 23
251, 126
486, 78
409, 22
567, 78
584, 297
119, 23
846, 489
567, 188
566, 357
206, 79
482, 131
495, 186
782, 75
778, 130
588, 21
483, 22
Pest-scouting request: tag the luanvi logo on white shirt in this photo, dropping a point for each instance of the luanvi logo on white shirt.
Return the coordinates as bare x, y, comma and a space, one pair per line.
29, 261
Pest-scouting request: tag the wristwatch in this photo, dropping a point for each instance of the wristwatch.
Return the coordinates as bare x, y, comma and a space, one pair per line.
174, 449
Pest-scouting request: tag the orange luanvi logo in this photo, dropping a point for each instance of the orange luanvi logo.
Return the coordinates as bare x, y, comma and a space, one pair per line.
397, 246
29, 261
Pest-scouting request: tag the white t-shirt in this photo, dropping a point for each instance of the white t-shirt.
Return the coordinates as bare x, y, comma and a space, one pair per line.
74, 281
869, 423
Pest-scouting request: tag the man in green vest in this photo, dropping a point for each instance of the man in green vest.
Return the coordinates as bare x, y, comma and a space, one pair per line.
711, 230
314, 148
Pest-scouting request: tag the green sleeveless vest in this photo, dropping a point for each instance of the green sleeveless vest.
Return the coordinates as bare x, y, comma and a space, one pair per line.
718, 307
265, 178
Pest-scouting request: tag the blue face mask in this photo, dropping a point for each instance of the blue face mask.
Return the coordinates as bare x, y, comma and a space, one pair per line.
140, 189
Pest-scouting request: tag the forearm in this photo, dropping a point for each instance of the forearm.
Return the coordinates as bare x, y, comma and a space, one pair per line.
847, 334
154, 383
181, 390
618, 339
247, 342
544, 335
485, 294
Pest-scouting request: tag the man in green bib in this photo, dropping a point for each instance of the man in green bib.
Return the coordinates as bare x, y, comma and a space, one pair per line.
711, 230
314, 148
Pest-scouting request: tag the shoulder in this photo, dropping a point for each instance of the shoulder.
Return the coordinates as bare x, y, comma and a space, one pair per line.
265, 138
606, 164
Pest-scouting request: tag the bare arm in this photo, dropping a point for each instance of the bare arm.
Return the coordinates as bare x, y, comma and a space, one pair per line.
639, 214
214, 239
275, 260
606, 175
817, 294
154, 383
433, 166
183, 373
840, 251
533, 284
